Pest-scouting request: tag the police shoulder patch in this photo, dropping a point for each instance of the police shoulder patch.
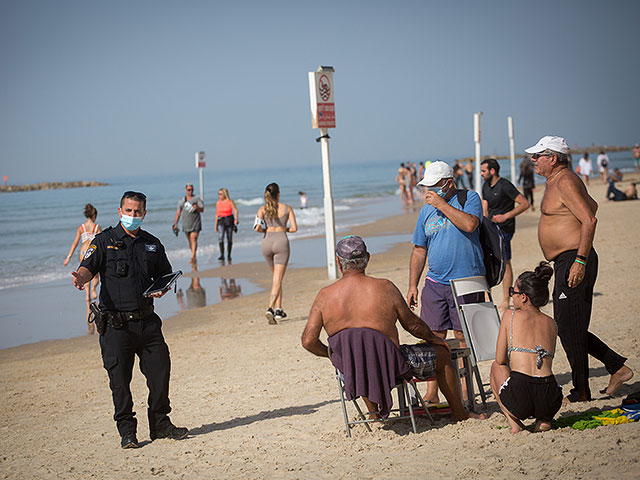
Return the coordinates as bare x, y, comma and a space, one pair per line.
90, 250
151, 247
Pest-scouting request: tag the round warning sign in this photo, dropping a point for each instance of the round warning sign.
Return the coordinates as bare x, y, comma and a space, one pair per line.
324, 88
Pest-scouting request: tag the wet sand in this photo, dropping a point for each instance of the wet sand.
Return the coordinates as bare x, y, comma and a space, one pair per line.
259, 406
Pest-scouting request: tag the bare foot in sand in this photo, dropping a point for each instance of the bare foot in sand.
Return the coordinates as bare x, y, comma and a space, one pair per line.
475, 416
542, 426
624, 374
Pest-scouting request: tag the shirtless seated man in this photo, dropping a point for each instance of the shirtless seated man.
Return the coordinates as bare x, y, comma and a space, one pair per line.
359, 301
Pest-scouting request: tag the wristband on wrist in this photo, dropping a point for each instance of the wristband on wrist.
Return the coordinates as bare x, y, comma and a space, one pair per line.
580, 261
582, 257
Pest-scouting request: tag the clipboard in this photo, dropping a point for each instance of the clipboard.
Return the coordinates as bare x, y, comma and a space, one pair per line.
162, 284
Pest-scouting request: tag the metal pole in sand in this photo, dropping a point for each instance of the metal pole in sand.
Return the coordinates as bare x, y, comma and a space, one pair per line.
323, 117
329, 221
200, 164
476, 139
512, 151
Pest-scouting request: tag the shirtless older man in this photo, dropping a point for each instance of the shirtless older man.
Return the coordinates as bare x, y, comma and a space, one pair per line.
565, 232
359, 301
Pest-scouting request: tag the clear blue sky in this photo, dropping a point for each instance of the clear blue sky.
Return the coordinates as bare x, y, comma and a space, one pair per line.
90, 89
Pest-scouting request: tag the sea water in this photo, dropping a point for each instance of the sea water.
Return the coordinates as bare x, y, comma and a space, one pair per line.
37, 300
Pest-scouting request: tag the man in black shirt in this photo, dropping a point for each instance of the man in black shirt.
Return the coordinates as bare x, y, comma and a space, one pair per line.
128, 260
498, 198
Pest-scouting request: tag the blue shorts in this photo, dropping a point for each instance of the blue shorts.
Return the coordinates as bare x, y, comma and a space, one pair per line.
507, 244
438, 309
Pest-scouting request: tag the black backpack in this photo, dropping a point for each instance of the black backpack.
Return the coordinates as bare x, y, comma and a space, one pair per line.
493, 249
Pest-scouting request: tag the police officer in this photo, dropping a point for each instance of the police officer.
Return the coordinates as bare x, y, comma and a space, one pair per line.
128, 259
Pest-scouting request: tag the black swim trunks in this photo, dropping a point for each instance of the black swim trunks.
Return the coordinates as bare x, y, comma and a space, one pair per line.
537, 397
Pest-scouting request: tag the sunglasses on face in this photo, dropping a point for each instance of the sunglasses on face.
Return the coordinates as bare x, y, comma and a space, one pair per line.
536, 156
513, 291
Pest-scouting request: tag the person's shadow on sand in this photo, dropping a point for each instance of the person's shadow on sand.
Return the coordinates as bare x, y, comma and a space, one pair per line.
258, 417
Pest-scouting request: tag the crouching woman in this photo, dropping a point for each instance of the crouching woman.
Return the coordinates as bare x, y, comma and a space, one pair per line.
521, 376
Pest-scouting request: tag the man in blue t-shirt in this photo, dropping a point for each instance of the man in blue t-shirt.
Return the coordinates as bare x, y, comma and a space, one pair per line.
447, 234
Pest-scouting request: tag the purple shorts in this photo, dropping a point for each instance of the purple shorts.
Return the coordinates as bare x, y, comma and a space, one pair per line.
438, 309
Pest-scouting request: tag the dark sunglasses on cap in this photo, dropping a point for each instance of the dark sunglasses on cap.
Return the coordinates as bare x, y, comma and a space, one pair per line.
135, 195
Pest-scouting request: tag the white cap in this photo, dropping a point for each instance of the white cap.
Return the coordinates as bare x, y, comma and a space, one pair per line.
434, 172
557, 144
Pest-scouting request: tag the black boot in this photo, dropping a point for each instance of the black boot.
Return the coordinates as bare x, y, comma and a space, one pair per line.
229, 245
221, 245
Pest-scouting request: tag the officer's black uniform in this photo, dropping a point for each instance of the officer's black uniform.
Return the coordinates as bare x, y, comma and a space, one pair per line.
127, 267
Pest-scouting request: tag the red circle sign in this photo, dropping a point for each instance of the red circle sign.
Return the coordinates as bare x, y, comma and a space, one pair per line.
324, 88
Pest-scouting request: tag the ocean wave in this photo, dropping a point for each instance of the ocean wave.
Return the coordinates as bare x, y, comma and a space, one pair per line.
250, 202
23, 280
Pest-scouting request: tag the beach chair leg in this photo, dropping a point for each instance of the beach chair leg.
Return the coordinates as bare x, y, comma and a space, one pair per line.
421, 400
402, 406
405, 394
344, 406
483, 395
362, 417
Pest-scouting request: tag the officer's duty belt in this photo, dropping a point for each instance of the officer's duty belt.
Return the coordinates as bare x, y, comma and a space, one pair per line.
127, 316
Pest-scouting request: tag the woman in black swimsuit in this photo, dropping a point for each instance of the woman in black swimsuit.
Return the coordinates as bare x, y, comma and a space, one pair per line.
521, 376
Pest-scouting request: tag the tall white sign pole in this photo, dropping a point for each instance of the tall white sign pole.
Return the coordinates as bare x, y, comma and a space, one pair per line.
512, 151
323, 117
476, 139
200, 164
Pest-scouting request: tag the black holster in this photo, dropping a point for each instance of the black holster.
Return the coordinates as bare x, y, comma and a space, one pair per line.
98, 317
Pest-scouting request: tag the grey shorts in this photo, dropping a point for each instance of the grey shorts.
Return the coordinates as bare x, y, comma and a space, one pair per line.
438, 309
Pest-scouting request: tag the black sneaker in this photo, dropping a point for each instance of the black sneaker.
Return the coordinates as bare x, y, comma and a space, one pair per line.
270, 316
279, 315
170, 431
129, 440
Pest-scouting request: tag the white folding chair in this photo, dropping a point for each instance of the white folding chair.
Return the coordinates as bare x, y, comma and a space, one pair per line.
480, 323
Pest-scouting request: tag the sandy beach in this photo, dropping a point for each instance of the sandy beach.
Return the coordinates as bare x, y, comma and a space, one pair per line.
259, 406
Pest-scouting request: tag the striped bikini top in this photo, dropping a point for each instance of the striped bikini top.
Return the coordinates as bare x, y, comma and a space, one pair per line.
88, 236
539, 351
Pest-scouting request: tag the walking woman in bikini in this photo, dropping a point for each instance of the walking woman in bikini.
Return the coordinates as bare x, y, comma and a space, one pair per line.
275, 244
85, 233
521, 376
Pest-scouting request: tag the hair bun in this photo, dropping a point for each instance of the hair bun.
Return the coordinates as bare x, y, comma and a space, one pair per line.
543, 271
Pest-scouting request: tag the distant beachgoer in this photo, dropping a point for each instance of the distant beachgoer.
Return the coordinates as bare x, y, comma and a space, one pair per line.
190, 207
521, 377
636, 156
85, 233
421, 171
502, 203
272, 218
226, 222
585, 167
304, 201
527, 180
565, 232
468, 169
402, 181
618, 195
458, 174
602, 161
412, 180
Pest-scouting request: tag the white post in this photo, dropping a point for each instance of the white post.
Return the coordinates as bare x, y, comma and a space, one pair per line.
201, 174
329, 222
476, 139
512, 151
200, 164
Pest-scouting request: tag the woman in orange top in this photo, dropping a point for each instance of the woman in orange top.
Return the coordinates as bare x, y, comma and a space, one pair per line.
226, 222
